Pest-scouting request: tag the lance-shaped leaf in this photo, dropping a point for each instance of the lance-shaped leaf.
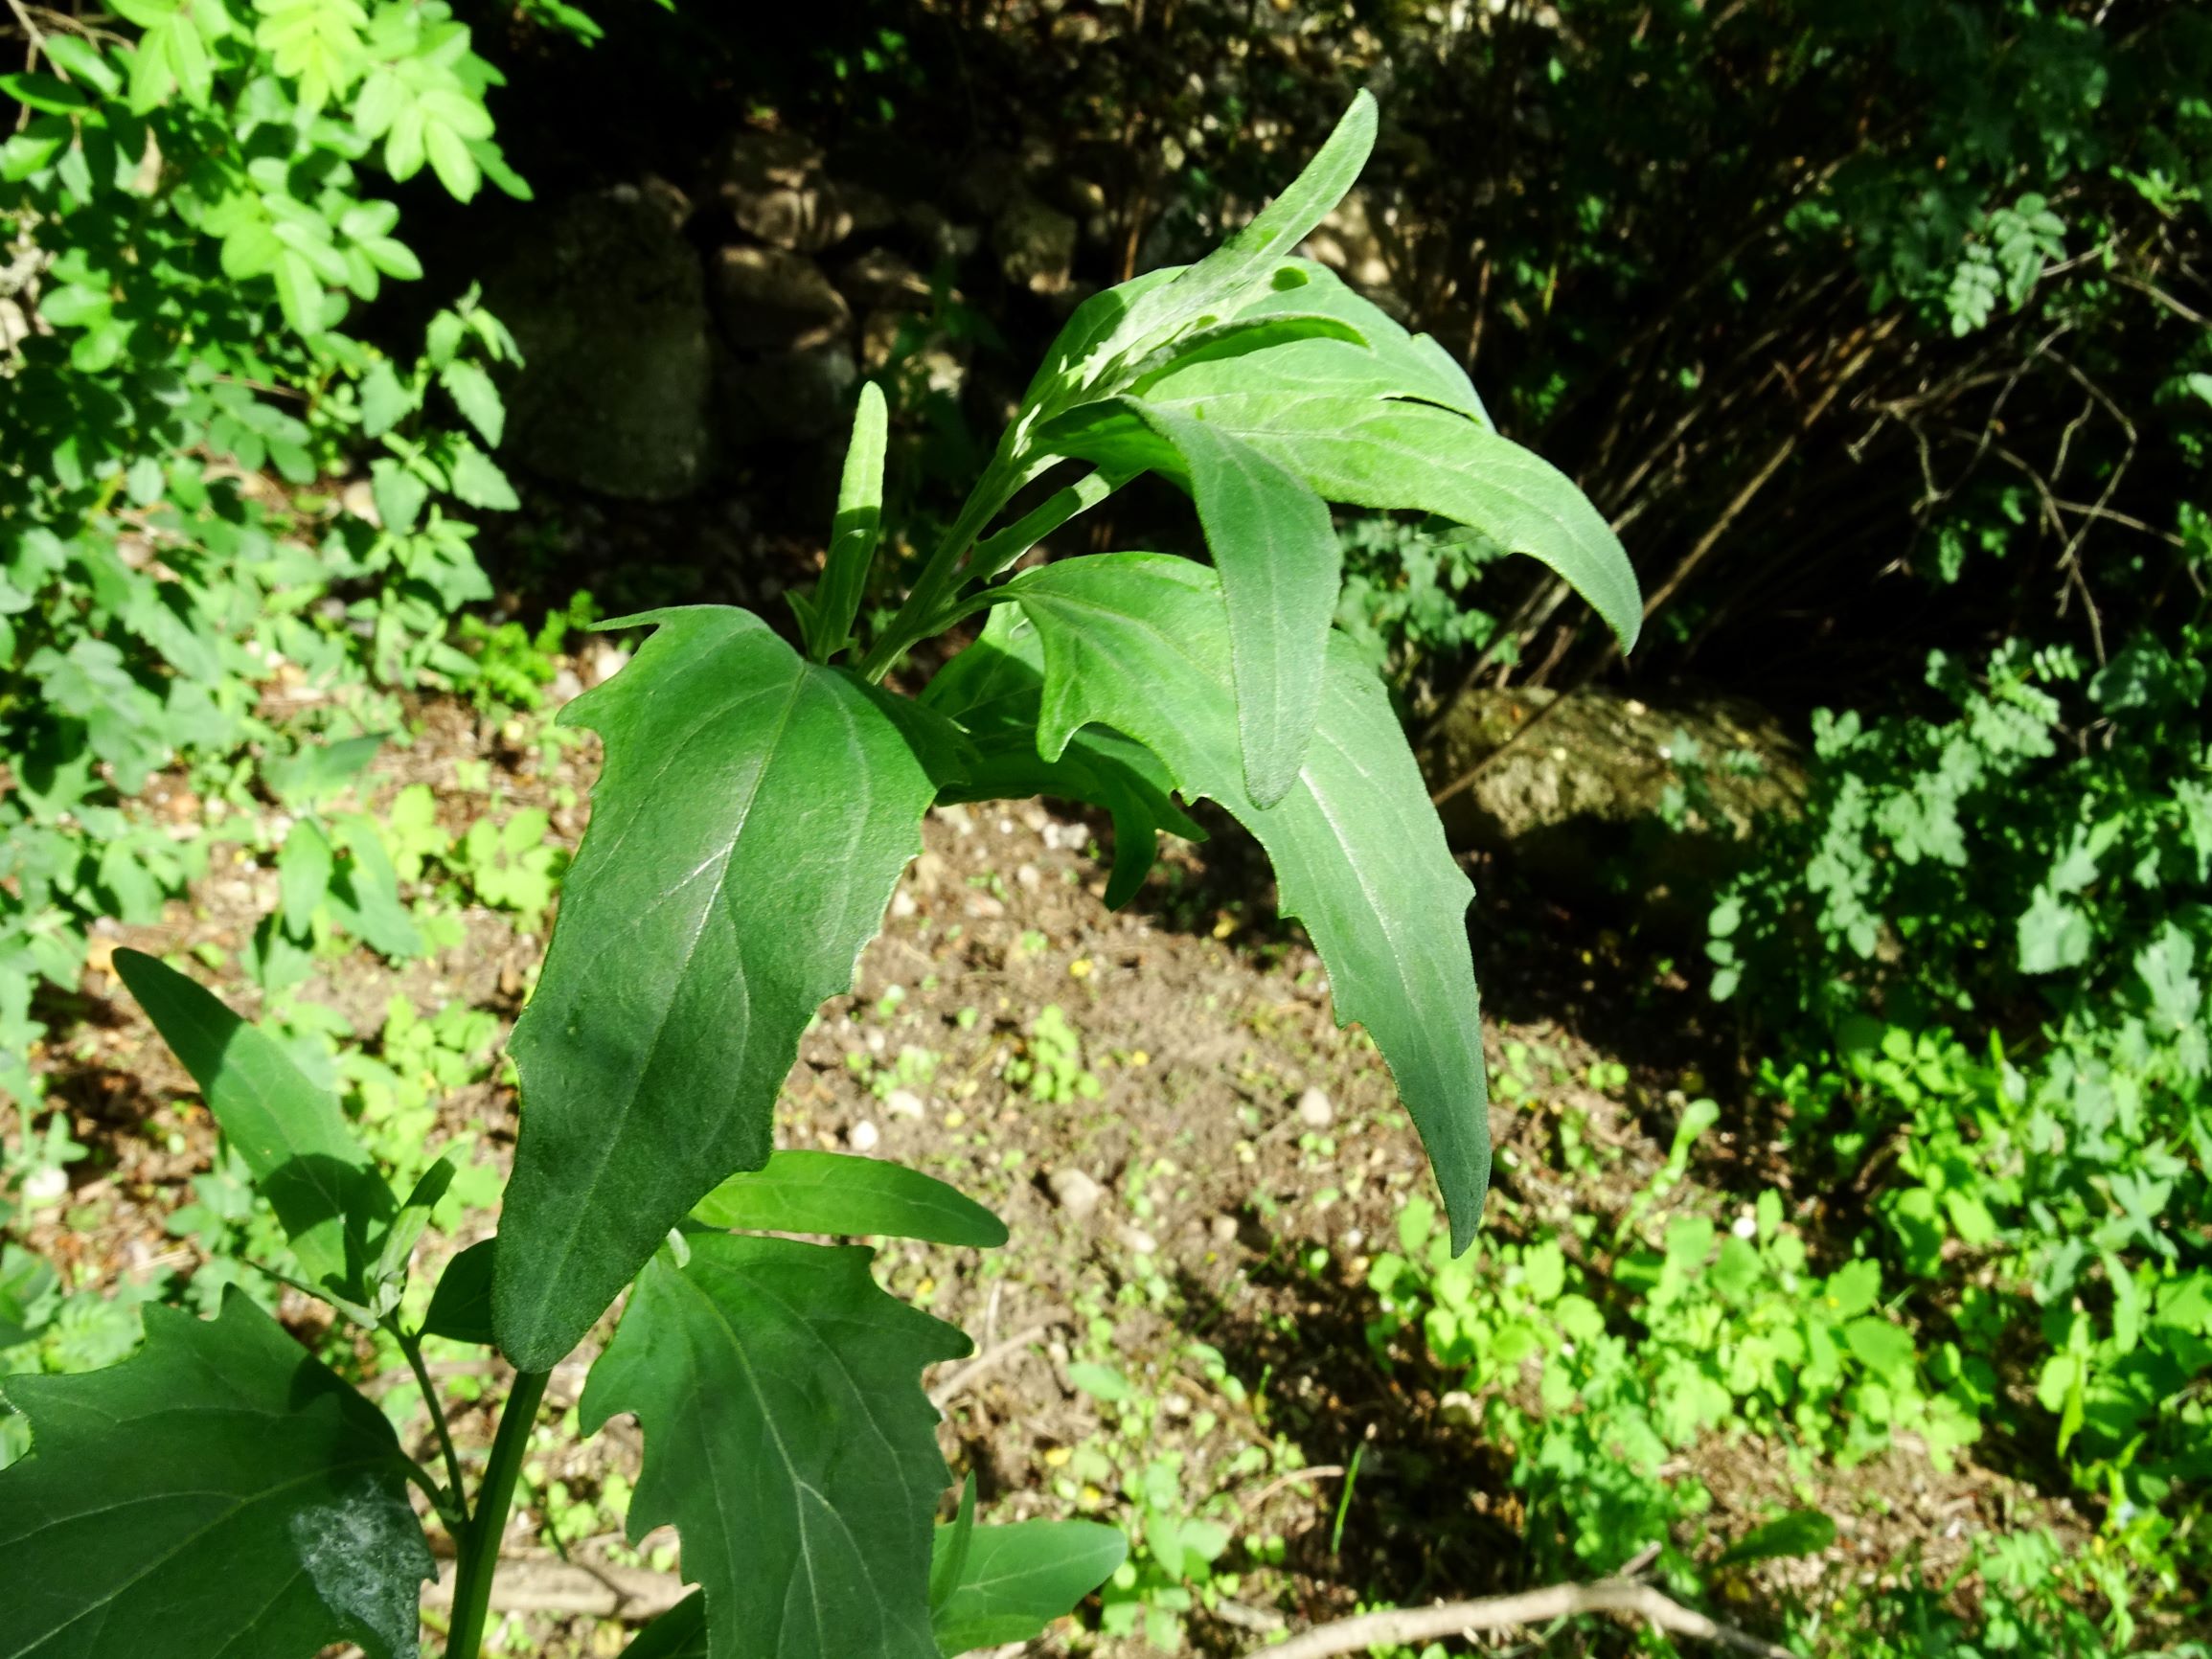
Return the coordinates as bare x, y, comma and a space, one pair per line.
1327, 412
995, 689
1276, 550
219, 1493
1218, 284
827, 618
461, 1306
1009, 1582
787, 1438
291, 1132
750, 823
1138, 641
1385, 357
801, 1192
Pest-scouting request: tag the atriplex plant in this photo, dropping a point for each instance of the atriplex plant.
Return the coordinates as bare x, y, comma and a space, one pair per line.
222, 1493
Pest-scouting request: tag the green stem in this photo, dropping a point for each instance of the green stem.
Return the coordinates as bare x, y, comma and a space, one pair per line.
914, 619
479, 1542
413, 1350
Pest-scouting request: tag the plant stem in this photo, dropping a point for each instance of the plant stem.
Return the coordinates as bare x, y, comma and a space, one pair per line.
916, 618
479, 1542
411, 1348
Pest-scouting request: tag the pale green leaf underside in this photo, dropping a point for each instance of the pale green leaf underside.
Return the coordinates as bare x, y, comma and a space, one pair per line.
292, 1133
747, 829
837, 1192
1015, 1579
788, 1439
1139, 642
218, 1495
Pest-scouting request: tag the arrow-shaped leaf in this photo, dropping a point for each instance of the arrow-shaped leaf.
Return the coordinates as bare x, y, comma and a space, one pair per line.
788, 1439
1138, 641
752, 818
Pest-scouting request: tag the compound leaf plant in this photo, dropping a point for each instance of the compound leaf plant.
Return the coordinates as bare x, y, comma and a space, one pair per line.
220, 1492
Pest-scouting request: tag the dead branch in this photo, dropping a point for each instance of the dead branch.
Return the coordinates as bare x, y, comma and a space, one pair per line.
1619, 1596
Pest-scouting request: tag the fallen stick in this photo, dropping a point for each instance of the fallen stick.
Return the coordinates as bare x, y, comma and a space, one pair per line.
988, 1361
1409, 1625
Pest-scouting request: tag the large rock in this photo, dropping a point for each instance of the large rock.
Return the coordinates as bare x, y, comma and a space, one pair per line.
1606, 793
771, 299
791, 396
1034, 244
606, 299
775, 186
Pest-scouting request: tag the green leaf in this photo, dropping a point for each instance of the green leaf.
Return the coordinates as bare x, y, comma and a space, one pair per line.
476, 398
450, 159
317, 770
398, 495
477, 480
853, 538
995, 690
24, 1279
1276, 551
300, 292
47, 93
1799, 1533
1139, 643
1321, 410
997, 553
461, 1306
1218, 284
86, 62
1016, 1580
386, 400
679, 1633
218, 1494
292, 1134
700, 927
304, 876
788, 1439
365, 893
801, 1192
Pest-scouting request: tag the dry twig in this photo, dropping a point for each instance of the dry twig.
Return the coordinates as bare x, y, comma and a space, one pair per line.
1621, 1596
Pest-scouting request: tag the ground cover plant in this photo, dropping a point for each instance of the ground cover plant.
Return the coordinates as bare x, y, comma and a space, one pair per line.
755, 811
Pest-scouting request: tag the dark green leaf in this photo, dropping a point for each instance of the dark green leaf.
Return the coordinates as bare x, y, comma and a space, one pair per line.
788, 1439
461, 1306
1016, 1580
802, 1191
319, 770
995, 690
1276, 552
386, 401
749, 825
218, 1494
477, 480
292, 1134
1799, 1533
679, 1633
1139, 643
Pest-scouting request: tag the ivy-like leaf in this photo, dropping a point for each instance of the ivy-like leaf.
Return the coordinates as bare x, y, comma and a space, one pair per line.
751, 821
292, 1133
1139, 642
995, 689
1014, 1580
218, 1494
850, 1196
788, 1439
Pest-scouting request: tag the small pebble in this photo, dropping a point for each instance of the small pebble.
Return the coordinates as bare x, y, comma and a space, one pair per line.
1315, 1110
863, 1136
902, 1103
1078, 1193
1138, 1239
903, 905
48, 1185
1026, 875
1457, 1409
1225, 1229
